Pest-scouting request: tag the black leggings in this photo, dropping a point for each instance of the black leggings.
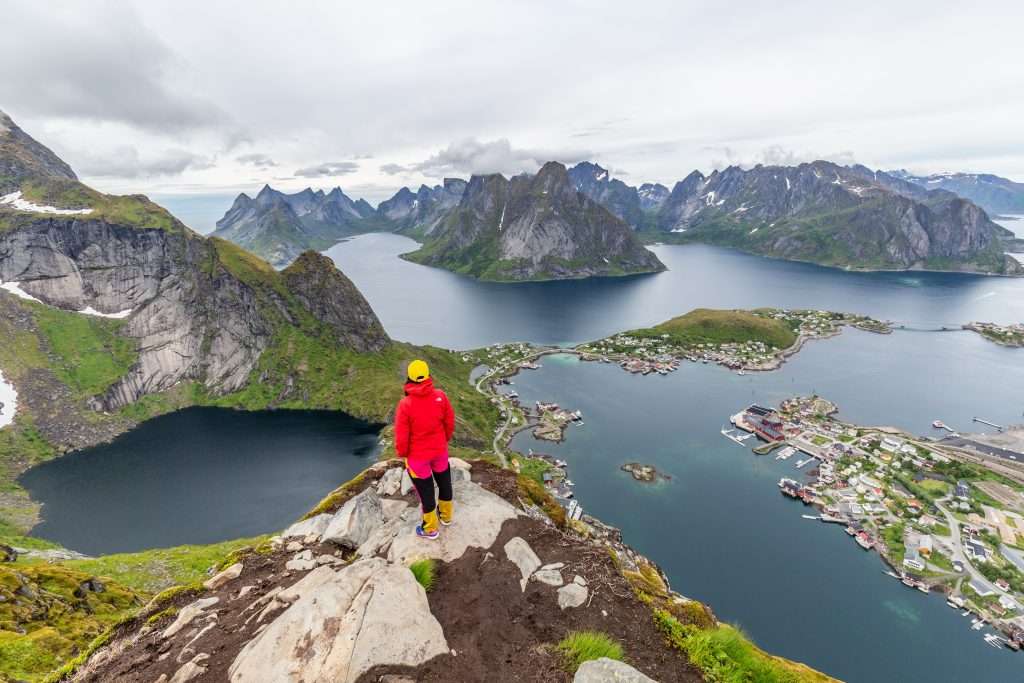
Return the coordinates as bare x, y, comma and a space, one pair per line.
425, 487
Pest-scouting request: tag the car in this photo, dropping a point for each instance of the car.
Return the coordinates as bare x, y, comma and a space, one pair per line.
958, 566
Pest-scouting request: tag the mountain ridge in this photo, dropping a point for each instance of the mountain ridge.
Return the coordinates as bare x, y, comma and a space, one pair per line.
533, 228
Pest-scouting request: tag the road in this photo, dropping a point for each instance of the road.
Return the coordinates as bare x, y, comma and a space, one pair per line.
958, 550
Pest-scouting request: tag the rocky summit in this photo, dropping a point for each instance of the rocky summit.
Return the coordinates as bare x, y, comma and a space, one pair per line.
418, 214
279, 226
533, 228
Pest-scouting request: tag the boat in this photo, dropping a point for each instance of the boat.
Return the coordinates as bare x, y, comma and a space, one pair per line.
892, 574
850, 531
923, 587
939, 424
864, 541
966, 613
789, 488
908, 582
809, 516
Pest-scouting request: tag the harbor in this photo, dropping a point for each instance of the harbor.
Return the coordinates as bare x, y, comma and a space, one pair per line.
889, 491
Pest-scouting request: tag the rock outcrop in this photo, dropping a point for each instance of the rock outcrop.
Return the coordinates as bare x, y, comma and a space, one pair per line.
21, 157
533, 228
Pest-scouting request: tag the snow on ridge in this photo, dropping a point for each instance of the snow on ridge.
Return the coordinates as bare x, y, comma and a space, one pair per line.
1019, 258
8, 401
15, 201
15, 289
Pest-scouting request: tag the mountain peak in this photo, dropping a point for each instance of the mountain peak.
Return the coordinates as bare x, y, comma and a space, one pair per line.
22, 158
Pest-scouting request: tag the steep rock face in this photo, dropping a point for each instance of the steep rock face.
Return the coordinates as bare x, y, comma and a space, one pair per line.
534, 227
332, 298
835, 215
279, 226
991, 192
418, 215
635, 206
22, 157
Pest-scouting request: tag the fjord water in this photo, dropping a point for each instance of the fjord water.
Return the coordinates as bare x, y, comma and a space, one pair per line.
198, 476
432, 306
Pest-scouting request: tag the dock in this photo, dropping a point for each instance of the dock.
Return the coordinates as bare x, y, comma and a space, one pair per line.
729, 434
990, 424
801, 463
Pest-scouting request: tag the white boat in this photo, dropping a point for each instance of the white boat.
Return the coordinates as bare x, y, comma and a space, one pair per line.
809, 516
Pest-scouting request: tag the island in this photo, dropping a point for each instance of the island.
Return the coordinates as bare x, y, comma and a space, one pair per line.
757, 340
945, 513
1004, 335
645, 473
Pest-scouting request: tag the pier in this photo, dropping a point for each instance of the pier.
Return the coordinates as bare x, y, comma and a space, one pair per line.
990, 424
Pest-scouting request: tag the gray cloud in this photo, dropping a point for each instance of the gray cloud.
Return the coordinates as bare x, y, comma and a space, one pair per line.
256, 159
329, 168
471, 156
126, 162
83, 74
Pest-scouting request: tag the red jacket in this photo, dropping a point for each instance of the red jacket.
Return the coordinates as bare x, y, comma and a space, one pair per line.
424, 422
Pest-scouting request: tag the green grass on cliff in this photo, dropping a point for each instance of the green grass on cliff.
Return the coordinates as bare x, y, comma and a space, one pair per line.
135, 211
725, 655
152, 571
43, 623
90, 355
705, 325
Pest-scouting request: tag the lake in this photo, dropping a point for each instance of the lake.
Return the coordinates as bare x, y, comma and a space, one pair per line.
199, 475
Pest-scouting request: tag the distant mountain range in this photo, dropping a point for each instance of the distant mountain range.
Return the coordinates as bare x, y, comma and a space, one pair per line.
844, 216
280, 226
849, 217
533, 228
994, 194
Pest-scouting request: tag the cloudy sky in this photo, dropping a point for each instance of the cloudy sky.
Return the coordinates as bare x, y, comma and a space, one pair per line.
205, 98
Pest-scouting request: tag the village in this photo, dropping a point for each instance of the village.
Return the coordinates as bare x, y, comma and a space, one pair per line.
644, 353
944, 518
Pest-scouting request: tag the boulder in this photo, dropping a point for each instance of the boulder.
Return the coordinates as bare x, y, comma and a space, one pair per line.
356, 520
485, 513
459, 463
221, 578
551, 577
188, 614
7, 553
393, 508
341, 624
521, 554
390, 483
314, 525
459, 474
192, 669
406, 483
606, 670
572, 595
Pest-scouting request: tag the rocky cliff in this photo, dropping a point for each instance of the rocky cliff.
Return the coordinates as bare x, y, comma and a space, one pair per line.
279, 226
533, 228
834, 215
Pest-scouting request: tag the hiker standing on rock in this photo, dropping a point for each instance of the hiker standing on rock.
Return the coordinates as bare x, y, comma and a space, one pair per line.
424, 424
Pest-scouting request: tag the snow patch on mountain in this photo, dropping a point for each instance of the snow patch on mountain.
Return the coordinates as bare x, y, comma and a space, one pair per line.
15, 201
8, 402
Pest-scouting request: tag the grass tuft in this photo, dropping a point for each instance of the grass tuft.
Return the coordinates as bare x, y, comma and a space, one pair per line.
582, 646
424, 571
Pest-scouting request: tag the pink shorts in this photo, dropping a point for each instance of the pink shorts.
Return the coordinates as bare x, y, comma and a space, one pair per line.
422, 468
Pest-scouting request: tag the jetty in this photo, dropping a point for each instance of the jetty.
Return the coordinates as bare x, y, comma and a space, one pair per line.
990, 424
731, 435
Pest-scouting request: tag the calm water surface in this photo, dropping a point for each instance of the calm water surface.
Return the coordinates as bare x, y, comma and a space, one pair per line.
453, 311
198, 476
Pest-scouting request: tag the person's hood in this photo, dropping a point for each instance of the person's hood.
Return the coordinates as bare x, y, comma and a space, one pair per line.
424, 388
